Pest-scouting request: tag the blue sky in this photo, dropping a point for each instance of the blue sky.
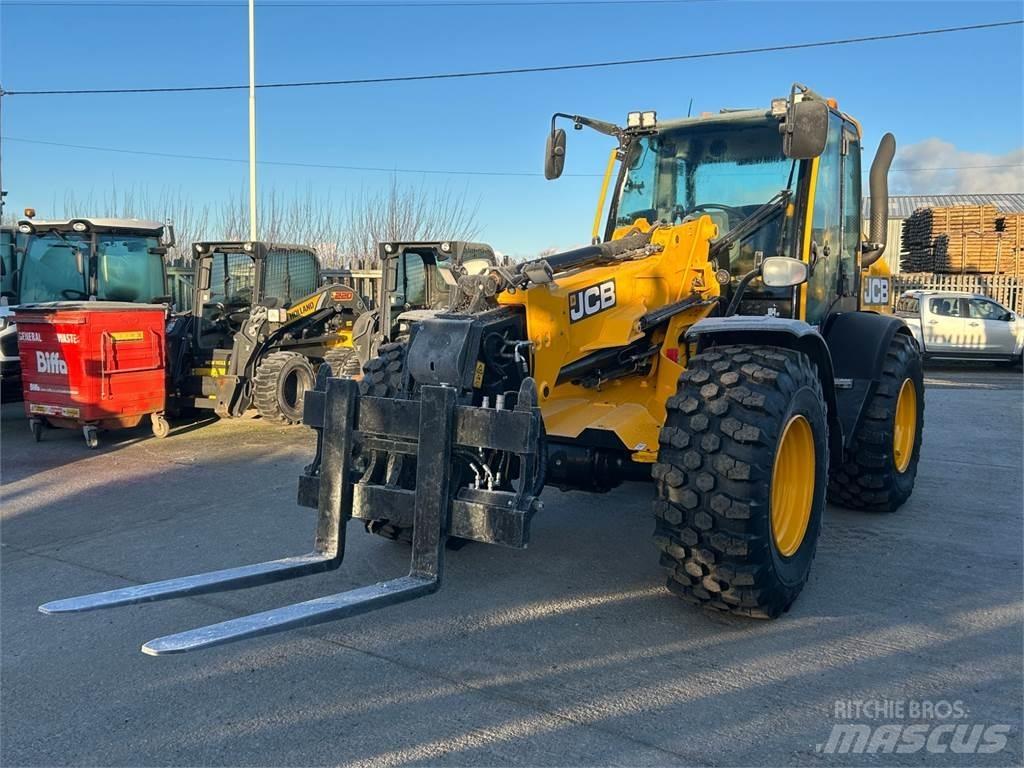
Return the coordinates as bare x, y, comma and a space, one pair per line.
951, 100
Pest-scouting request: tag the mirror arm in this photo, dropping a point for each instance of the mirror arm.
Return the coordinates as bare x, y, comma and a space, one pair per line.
741, 288
578, 121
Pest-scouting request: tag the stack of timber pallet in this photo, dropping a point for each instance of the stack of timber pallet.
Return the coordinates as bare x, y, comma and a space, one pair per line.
969, 239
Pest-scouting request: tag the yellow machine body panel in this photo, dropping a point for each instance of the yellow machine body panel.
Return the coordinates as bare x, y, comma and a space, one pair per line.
595, 308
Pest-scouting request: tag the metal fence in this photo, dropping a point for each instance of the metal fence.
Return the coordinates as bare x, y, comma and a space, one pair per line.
367, 283
1008, 290
179, 282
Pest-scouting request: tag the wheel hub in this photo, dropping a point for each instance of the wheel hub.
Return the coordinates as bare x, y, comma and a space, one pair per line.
904, 426
793, 478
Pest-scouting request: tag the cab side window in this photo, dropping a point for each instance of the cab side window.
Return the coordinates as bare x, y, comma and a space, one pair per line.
944, 307
826, 225
907, 307
851, 209
302, 273
983, 309
414, 279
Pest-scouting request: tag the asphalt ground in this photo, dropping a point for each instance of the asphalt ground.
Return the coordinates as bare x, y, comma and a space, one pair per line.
568, 653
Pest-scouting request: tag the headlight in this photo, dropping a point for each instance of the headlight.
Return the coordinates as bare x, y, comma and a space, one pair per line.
79, 226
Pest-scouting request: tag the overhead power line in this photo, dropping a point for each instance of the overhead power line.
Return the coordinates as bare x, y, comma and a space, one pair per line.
527, 70
291, 164
340, 3
382, 169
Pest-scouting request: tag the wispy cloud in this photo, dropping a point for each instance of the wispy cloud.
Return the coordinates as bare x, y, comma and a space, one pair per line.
953, 171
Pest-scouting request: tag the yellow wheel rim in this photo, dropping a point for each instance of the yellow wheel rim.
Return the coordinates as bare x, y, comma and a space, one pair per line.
793, 486
905, 426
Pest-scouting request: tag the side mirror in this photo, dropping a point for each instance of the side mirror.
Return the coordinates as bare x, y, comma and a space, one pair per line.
554, 154
79, 261
391, 275
805, 130
783, 272
203, 270
170, 238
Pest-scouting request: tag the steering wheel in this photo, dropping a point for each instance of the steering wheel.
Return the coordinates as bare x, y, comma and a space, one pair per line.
237, 316
79, 294
219, 310
730, 210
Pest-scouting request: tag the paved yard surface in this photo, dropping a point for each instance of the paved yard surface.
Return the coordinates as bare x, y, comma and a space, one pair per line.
570, 653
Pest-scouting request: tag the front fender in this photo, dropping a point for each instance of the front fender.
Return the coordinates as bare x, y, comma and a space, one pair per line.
779, 332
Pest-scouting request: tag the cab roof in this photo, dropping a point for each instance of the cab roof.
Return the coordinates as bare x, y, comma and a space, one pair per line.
919, 293
96, 223
724, 116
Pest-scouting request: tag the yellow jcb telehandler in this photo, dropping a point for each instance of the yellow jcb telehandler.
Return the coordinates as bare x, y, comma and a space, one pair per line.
709, 339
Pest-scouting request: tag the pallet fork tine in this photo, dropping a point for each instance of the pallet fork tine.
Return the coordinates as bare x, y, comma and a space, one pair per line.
428, 545
329, 545
335, 504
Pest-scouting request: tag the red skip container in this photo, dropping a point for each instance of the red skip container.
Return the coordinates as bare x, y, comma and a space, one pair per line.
95, 365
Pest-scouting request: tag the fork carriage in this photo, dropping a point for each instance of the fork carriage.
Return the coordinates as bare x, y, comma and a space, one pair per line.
356, 437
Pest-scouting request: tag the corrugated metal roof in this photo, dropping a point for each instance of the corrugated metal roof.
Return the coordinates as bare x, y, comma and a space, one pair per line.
901, 206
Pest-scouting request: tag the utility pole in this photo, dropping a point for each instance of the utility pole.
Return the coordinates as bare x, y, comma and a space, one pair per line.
252, 122
3, 193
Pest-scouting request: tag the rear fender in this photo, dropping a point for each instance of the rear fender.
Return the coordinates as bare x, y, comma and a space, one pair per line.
779, 332
859, 342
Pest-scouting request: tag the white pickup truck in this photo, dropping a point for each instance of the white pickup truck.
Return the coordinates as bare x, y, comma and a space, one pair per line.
963, 326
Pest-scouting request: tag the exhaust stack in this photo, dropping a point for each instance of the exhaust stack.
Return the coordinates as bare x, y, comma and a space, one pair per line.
878, 184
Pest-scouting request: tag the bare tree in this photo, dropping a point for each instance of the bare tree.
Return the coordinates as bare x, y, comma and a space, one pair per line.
191, 223
405, 213
303, 218
343, 234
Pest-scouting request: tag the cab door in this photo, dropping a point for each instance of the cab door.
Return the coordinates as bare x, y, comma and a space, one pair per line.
989, 328
848, 279
826, 228
943, 325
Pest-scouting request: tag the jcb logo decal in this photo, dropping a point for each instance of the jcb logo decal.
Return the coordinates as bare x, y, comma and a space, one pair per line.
876, 290
587, 302
50, 362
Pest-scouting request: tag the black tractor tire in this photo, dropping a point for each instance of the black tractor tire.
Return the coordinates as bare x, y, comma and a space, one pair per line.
280, 385
714, 478
382, 377
342, 362
870, 478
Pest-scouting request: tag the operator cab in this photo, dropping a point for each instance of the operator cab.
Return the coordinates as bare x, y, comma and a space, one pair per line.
727, 166
232, 278
419, 276
12, 246
102, 259
778, 182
